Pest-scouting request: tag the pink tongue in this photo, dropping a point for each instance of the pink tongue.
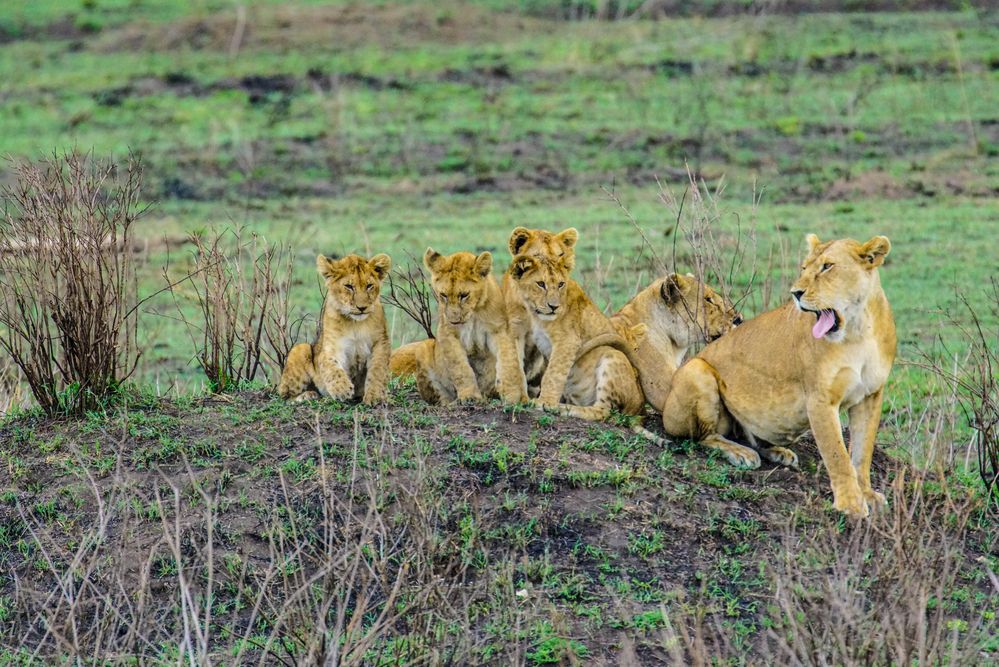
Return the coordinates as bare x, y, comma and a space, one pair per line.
827, 320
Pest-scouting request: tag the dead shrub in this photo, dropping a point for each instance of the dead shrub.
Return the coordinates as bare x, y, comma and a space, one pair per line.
239, 284
876, 592
68, 308
410, 292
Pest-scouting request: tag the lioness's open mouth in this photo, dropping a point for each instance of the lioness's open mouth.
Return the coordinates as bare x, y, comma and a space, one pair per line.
826, 322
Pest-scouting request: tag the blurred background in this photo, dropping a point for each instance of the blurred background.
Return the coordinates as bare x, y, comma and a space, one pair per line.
386, 126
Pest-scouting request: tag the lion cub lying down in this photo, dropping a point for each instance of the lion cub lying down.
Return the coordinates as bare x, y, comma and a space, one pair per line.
795, 367
473, 355
349, 359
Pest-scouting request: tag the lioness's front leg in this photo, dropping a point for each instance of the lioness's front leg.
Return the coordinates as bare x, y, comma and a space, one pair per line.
864, 419
563, 356
376, 377
509, 371
456, 362
823, 417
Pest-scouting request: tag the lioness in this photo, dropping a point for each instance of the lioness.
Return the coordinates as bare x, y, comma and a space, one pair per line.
795, 367
350, 356
564, 323
473, 355
678, 310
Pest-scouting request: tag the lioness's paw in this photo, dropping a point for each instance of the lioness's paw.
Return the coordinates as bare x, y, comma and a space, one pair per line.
876, 501
742, 457
781, 455
853, 506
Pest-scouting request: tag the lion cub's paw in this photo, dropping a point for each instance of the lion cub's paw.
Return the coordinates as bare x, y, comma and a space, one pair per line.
781, 455
307, 396
742, 457
374, 398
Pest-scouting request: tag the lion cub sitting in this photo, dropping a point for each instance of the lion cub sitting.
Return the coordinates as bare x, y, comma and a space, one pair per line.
603, 380
564, 323
473, 355
679, 311
349, 359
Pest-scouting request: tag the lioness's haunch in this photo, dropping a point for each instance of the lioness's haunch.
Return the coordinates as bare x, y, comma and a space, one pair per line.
793, 369
350, 357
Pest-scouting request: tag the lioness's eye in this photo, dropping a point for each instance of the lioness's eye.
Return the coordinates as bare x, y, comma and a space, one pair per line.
350, 288
541, 284
826, 267
561, 285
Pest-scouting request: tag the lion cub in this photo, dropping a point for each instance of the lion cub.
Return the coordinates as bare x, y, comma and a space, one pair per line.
473, 355
564, 323
350, 357
679, 311
603, 380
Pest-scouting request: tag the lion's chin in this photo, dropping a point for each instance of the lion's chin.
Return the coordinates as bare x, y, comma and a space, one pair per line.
547, 317
358, 317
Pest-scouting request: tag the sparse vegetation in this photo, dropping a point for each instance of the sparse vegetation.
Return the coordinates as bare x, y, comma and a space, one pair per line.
173, 525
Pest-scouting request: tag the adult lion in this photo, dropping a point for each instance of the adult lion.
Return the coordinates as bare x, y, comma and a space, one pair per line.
795, 367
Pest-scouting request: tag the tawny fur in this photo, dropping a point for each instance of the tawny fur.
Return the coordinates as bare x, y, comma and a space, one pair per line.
773, 380
678, 311
350, 358
603, 380
473, 356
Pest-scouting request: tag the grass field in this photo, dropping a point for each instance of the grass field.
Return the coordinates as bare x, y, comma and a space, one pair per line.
388, 126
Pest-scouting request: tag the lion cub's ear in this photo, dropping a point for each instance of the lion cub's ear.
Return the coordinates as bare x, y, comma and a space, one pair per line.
568, 237
326, 267
380, 264
431, 258
518, 237
673, 287
521, 265
874, 251
484, 264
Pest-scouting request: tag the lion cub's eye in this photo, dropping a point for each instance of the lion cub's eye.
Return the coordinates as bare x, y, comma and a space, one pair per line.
541, 284
463, 296
826, 267
443, 297
561, 284
370, 286
349, 287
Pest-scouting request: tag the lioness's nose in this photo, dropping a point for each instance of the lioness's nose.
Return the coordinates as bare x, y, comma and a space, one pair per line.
797, 294
738, 320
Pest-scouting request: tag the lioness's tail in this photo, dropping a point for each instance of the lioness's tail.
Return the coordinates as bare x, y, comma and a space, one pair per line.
639, 429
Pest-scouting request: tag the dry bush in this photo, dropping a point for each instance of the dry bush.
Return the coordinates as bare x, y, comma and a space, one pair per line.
68, 308
973, 382
239, 285
410, 292
349, 567
876, 592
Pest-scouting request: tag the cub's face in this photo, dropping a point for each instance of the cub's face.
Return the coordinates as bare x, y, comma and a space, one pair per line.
705, 313
543, 244
541, 284
354, 283
459, 282
836, 279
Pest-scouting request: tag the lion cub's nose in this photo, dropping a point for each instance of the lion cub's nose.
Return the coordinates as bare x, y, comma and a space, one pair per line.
797, 294
553, 308
362, 308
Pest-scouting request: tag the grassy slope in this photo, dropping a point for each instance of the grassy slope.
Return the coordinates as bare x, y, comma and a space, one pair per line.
449, 125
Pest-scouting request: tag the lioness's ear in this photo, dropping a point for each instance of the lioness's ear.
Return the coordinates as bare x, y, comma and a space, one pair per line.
380, 264
874, 251
813, 242
568, 237
518, 237
325, 266
521, 265
672, 288
431, 258
484, 264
